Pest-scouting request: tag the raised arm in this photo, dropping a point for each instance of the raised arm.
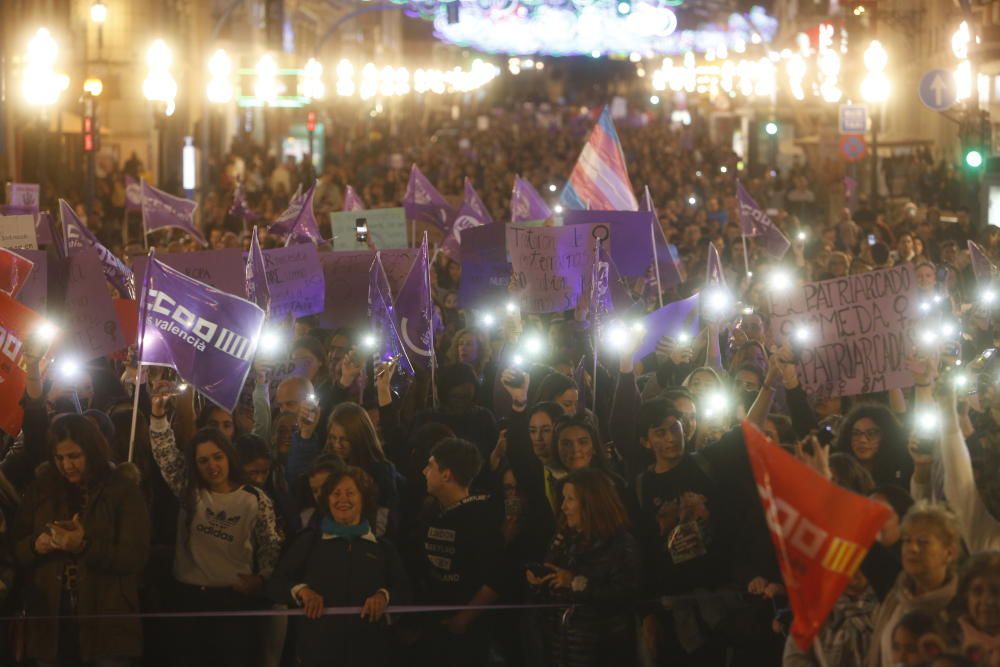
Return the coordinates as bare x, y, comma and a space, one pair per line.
164, 446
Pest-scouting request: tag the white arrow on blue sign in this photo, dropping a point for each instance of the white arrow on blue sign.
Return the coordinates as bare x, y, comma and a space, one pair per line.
937, 89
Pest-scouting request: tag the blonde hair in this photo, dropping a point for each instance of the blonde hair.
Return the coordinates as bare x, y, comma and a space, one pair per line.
938, 516
483, 353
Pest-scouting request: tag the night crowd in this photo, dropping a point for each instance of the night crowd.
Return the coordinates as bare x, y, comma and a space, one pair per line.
606, 509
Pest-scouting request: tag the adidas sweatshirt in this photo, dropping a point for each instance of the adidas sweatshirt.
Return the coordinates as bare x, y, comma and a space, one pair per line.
229, 534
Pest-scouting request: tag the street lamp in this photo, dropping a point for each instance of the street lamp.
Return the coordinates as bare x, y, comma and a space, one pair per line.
265, 89
875, 90
42, 85
220, 85
160, 88
99, 12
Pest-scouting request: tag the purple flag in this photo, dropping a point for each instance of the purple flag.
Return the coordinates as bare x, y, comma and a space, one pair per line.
77, 237
352, 202
133, 194
298, 220
239, 209
383, 319
982, 266
713, 272
161, 210
43, 228
468, 217
472, 200
209, 337
669, 274
415, 310
526, 203
674, 318
424, 203
755, 222
256, 275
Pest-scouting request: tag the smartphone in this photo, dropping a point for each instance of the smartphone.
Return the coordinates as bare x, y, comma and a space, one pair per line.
825, 435
871, 239
361, 230
949, 218
518, 380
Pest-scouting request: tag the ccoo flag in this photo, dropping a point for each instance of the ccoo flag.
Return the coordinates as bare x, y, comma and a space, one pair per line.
472, 214
298, 221
208, 336
14, 271
599, 180
352, 202
161, 210
424, 203
755, 222
821, 532
18, 322
526, 204
380, 311
256, 276
415, 310
77, 237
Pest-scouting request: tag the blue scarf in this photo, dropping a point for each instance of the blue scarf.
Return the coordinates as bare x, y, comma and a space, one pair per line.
343, 531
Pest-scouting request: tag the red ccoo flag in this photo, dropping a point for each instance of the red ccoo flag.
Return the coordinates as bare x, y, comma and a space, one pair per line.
821, 532
17, 322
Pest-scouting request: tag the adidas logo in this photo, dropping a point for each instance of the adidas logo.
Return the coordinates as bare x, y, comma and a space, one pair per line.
220, 519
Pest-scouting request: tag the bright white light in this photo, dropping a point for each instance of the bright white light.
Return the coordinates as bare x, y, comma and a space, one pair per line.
368, 341
159, 84
511, 307
771, 128
270, 341
948, 329
717, 299
928, 337
960, 41
960, 380
265, 85
723, 169
182, 387
533, 345
517, 361
927, 422
558, 208
552, 188
46, 331
220, 87
779, 280
925, 306
69, 368
188, 169
683, 338
41, 84
487, 320
801, 236
99, 12
876, 57
616, 335
716, 403
987, 296
802, 334
692, 201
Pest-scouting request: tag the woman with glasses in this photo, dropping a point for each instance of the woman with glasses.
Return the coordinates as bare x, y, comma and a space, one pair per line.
872, 435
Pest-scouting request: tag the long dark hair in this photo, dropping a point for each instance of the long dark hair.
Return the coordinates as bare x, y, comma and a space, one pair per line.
602, 512
600, 458
366, 448
83, 432
194, 481
892, 455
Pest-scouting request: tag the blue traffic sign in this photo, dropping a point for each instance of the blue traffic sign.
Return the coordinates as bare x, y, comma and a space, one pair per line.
937, 89
853, 119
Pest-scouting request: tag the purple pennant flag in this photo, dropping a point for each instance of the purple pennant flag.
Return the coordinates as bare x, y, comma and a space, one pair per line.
424, 203
755, 222
133, 194
209, 337
647, 201
713, 272
472, 200
468, 217
256, 275
674, 318
43, 228
161, 210
383, 319
239, 209
415, 310
352, 202
982, 266
526, 203
77, 238
298, 220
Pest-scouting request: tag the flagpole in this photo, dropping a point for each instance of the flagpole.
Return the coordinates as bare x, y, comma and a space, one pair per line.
430, 318
746, 258
138, 365
597, 324
656, 260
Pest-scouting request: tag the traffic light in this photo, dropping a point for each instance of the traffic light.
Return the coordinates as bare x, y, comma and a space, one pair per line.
89, 129
976, 138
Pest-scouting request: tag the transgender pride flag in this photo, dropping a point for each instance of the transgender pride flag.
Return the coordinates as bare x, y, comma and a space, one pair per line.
599, 181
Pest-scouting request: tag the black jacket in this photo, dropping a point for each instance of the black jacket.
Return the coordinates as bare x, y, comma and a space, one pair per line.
345, 573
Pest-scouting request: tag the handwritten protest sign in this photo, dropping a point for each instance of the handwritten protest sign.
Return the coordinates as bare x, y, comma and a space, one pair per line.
222, 269
548, 264
294, 280
346, 276
90, 324
485, 269
859, 330
34, 293
386, 226
18, 231
24, 196
629, 234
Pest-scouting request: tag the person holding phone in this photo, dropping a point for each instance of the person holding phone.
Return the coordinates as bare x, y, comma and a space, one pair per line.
82, 539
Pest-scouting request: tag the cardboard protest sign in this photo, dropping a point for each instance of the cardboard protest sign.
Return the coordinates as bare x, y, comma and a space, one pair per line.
386, 227
23, 196
485, 269
548, 264
34, 292
859, 329
294, 280
345, 274
630, 235
222, 269
18, 231
90, 322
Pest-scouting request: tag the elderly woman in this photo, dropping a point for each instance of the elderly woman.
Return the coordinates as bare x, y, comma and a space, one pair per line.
342, 564
976, 609
927, 583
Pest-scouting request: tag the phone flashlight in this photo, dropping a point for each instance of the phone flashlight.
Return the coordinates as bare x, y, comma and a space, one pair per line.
361, 230
270, 341
368, 341
779, 280
46, 331
511, 307
683, 338
801, 236
487, 320
871, 239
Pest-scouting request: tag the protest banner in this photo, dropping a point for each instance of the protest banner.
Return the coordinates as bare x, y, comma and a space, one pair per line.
629, 233
858, 331
23, 196
222, 269
34, 292
90, 322
345, 274
386, 227
294, 281
485, 269
548, 265
18, 231
16, 323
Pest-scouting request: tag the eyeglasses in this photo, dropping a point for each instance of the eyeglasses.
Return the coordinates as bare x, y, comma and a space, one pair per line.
747, 385
870, 434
